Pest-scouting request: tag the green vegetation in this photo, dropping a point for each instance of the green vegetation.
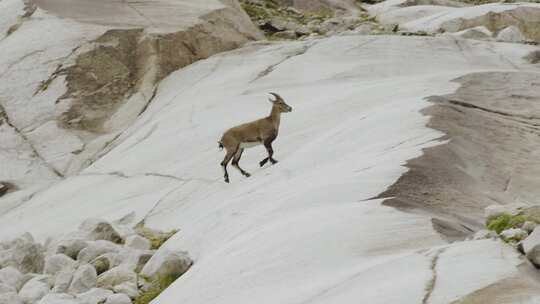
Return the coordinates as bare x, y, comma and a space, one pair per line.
156, 238
158, 286
506, 221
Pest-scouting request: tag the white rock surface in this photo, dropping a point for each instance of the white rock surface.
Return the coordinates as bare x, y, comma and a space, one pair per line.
355, 123
128, 288
515, 234
62, 281
98, 229
118, 299
478, 32
94, 296
116, 276
529, 226
68, 245
511, 34
35, 289
10, 298
11, 276
84, 279
137, 242
484, 234
58, 298
95, 249
166, 263
57, 262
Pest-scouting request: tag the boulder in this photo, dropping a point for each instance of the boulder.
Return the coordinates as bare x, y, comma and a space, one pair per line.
57, 262
478, 33
510, 34
531, 246
137, 242
94, 296
484, 234
35, 289
529, 226
5, 288
69, 245
84, 279
59, 298
167, 263
98, 229
289, 34
11, 277
10, 298
24, 254
116, 276
63, 280
514, 234
128, 288
102, 263
118, 299
95, 249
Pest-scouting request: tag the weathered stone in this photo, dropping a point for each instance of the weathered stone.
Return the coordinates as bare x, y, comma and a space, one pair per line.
118, 299
102, 263
23, 254
69, 245
63, 280
510, 34
59, 298
84, 279
167, 263
35, 289
289, 34
116, 276
137, 242
529, 226
5, 288
10, 298
95, 249
513, 234
532, 240
484, 234
97, 229
57, 262
128, 288
94, 296
11, 276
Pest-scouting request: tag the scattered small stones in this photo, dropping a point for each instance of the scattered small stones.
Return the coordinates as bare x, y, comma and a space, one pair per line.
99, 263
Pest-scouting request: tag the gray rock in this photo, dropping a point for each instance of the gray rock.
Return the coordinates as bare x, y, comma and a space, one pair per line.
84, 279
102, 263
11, 277
167, 263
529, 226
23, 254
484, 234
5, 288
137, 242
289, 34
98, 229
95, 249
116, 276
128, 288
69, 245
94, 296
118, 299
514, 234
35, 289
63, 280
532, 240
59, 298
57, 262
511, 34
10, 298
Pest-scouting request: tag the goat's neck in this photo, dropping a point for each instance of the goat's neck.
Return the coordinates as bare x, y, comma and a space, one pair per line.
275, 116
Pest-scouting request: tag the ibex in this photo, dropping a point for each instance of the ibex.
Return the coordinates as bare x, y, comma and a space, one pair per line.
259, 132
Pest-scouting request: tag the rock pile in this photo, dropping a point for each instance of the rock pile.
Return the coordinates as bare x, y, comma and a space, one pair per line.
101, 262
516, 224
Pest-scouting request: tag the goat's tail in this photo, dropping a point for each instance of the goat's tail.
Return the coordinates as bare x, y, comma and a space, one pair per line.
220, 145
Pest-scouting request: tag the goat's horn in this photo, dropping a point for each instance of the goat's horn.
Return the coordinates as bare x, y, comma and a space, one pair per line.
276, 96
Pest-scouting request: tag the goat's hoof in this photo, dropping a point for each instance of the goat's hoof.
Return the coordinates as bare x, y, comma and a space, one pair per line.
247, 174
274, 162
262, 164
227, 180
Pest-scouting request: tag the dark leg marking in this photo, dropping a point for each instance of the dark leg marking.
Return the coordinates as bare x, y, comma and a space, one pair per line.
225, 161
235, 163
268, 146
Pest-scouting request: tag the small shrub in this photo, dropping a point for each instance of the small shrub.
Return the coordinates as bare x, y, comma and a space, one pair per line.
156, 238
505, 221
158, 286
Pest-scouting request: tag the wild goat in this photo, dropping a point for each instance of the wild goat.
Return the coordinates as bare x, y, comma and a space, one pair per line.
259, 132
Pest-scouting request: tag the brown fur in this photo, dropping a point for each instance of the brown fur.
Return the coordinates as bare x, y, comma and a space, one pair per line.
262, 131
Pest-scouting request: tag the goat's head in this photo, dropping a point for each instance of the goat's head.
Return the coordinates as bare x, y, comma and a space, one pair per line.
280, 103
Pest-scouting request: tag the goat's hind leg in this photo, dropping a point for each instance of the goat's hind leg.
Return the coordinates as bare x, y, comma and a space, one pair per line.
235, 163
224, 163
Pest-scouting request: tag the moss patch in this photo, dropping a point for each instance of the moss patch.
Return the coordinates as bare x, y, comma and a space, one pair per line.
506, 221
158, 286
157, 238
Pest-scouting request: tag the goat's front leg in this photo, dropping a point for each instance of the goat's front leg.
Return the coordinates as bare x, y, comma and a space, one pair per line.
268, 146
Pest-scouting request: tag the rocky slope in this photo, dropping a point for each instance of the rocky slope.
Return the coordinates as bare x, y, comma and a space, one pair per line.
395, 146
